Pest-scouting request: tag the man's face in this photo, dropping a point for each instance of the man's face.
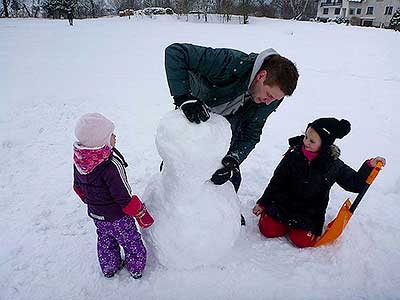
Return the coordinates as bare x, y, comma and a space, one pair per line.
264, 93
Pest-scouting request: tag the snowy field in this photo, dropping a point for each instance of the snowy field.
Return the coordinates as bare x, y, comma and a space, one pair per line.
51, 73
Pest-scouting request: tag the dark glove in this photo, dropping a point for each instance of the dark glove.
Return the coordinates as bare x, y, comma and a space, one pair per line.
194, 109
222, 175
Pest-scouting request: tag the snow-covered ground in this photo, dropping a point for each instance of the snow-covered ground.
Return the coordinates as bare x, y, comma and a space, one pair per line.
51, 73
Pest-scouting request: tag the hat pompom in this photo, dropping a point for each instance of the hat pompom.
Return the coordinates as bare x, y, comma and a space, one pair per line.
343, 129
330, 129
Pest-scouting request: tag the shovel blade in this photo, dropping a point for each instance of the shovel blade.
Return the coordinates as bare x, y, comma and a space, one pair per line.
336, 226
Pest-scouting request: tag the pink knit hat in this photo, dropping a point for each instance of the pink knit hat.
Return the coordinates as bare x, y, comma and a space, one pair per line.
94, 130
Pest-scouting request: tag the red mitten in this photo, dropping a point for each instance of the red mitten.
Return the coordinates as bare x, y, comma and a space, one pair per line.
144, 218
137, 209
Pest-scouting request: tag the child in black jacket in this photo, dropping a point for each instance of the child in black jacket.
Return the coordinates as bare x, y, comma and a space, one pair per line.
297, 195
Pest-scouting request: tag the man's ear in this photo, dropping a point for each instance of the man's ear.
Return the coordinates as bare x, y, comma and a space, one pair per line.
262, 75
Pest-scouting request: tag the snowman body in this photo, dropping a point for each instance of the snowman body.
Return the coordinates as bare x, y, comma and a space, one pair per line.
196, 221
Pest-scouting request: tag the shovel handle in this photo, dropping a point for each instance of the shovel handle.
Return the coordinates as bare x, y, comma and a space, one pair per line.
368, 182
374, 172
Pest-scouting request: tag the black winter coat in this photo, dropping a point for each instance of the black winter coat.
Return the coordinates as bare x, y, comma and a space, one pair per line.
298, 192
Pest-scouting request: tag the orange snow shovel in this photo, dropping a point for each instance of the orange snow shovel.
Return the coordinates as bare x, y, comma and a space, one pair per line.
337, 225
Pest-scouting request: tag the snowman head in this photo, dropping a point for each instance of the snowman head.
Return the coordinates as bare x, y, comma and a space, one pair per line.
192, 150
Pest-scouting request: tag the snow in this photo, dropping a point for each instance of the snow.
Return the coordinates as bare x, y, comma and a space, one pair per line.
52, 73
187, 206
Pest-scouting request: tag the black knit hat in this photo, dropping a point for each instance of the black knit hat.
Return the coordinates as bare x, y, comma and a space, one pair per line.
330, 129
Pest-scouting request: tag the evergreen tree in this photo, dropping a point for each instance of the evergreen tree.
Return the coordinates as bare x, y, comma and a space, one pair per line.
395, 21
58, 8
15, 6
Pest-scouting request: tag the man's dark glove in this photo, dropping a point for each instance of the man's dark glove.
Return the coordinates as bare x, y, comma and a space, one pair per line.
194, 109
222, 175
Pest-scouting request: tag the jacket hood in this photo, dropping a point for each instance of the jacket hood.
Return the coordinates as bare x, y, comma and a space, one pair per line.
259, 61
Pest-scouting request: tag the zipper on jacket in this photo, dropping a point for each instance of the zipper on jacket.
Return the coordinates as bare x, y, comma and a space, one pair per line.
308, 171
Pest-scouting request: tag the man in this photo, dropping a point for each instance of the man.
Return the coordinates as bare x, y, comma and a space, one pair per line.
244, 88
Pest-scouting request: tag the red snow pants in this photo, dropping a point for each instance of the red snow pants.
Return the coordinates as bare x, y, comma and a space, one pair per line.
271, 228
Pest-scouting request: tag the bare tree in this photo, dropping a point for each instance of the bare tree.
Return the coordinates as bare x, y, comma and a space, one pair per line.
27, 10
293, 9
245, 6
226, 8
205, 6
92, 8
5, 5
184, 6
118, 5
35, 8
298, 7
282, 9
15, 7
264, 9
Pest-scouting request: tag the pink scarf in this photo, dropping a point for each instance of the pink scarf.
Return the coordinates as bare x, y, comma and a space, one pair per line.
86, 159
308, 154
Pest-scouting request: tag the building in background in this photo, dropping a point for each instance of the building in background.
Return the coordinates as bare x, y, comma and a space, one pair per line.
375, 13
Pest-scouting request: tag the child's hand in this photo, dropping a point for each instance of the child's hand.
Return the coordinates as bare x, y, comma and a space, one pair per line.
258, 210
374, 161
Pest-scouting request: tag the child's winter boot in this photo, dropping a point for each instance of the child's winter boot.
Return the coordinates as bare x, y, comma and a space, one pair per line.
136, 275
111, 274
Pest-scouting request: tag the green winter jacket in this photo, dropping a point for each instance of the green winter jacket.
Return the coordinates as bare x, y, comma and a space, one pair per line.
217, 77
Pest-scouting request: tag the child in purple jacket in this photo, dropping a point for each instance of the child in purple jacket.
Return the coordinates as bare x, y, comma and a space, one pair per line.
100, 181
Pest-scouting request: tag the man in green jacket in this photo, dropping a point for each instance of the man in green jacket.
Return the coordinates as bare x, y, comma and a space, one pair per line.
244, 88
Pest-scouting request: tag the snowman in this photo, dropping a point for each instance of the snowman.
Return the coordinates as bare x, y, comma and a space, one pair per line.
196, 222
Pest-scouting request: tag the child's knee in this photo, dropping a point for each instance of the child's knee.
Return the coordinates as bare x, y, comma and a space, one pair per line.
271, 227
302, 238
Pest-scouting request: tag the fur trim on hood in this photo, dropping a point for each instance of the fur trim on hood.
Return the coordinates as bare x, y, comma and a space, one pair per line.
334, 151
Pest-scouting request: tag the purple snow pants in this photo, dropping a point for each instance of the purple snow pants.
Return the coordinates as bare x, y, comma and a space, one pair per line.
110, 235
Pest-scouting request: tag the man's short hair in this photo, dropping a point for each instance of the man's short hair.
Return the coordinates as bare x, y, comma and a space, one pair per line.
281, 72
